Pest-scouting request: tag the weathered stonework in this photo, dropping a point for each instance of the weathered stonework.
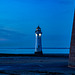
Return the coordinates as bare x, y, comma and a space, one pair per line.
72, 47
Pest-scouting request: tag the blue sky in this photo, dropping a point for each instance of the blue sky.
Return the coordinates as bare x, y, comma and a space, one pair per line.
19, 19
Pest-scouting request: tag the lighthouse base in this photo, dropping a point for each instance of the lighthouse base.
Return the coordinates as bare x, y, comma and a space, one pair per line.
38, 53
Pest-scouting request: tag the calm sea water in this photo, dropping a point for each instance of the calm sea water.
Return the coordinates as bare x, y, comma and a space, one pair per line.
31, 51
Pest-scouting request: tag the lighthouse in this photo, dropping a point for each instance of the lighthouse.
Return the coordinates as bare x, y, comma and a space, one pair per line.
38, 43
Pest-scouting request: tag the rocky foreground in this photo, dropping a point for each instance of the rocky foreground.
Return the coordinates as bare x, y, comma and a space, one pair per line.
35, 65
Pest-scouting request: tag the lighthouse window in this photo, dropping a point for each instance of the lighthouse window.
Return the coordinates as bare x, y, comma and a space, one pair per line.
39, 34
36, 34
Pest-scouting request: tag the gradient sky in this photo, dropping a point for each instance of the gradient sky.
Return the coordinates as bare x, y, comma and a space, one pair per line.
19, 19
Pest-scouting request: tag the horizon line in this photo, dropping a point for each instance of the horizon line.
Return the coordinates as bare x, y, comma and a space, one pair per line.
42, 48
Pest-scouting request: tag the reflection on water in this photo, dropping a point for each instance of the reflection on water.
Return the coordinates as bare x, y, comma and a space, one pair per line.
31, 51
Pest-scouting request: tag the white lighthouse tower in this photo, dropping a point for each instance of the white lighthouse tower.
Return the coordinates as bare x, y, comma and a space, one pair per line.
38, 44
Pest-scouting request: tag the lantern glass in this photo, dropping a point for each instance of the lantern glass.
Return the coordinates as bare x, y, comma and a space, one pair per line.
39, 34
36, 34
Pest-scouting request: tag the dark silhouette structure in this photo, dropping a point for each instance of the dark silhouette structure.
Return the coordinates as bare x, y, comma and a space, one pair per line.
72, 47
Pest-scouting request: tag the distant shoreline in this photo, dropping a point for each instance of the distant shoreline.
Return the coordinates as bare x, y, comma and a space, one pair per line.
33, 55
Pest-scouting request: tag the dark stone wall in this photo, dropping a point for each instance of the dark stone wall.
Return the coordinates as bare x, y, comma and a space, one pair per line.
72, 47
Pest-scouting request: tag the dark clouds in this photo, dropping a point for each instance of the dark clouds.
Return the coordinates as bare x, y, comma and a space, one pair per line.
65, 2
10, 39
11, 35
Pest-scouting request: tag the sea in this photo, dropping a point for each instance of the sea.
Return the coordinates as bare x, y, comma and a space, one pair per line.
32, 51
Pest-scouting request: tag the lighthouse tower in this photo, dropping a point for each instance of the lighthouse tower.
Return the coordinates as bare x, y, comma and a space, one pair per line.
38, 44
